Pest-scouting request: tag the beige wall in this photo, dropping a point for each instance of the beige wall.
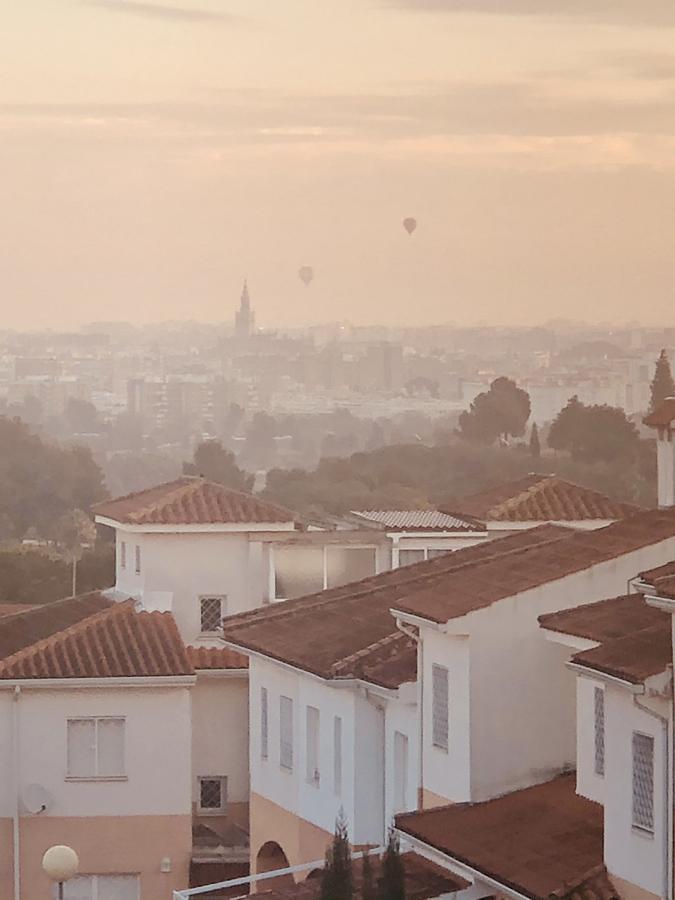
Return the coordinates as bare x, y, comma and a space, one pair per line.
628, 891
105, 845
301, 841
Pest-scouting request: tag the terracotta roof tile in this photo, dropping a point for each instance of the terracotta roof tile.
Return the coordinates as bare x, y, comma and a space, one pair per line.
29, 626
541, 841
477, 587
116, 642
663, 416
352, 630
632, 657
665, 587
420, 520
606, 619
191, 501
216, 658
542, 498
11, 609
664, 571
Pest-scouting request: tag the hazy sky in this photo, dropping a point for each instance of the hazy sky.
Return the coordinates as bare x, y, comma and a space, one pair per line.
152, 154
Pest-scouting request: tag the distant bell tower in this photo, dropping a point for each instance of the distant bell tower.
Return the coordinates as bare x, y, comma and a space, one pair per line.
244, 320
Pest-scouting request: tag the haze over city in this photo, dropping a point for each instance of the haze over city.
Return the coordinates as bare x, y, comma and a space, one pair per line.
152, 155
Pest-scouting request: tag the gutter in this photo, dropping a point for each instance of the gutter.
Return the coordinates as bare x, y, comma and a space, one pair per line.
79, 683
15, 811
597, 675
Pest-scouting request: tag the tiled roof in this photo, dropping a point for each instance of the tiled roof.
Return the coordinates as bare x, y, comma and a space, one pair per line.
662, 416
633, 657
216, 658
349, 631
476, 587
25, 628
542, 498
11, 609
191, 501
664, 571
423, 880
606, 619
665, 587
541, 841
117, 642
420, 520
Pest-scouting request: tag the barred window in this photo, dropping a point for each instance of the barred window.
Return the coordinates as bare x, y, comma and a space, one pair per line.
643, 781
264, 724
212, 793
312, 749
599, 700
138, 560
337, 755
123, 554
440, 706
286, 733
211, 611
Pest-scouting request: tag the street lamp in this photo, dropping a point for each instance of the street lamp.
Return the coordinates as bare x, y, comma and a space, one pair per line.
60, 863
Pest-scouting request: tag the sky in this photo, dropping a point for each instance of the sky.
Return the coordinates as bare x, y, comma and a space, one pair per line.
154, 154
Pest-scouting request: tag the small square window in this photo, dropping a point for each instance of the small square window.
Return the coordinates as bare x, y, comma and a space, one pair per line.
211, 611
212, 793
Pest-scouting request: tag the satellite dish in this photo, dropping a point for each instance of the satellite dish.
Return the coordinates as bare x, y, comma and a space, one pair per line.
36, 799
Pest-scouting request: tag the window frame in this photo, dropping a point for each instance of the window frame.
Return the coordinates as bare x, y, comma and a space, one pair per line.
123, 555
94, 883
312, 746
437, 740
264, 723
286, 741
325, 566
220, 598
137, 559
121, 776
210, 810
599, 731
641, 827
337, 756
401, 766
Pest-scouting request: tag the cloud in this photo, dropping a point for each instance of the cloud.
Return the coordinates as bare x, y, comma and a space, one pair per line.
655, 13
164, 11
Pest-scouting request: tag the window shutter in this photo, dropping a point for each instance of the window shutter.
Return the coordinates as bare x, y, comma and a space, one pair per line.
400, 772
599, 700
440, 706
286, 733
110, 747
313, 776
81, 748
337, 755
264, 724
643, 781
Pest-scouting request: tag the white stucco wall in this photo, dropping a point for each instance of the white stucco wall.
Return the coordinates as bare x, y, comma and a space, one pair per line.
220, 733
589, 784
401, 715
157, 728
630, 853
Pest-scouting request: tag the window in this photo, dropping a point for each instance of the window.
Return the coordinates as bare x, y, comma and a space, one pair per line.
138, 560
643, 781
435, 552
347, 564
313, 776
211, 612
212, 793
298, 571
408, 557
101, 887
286, 733
264, 724
95, 748
440, 710
123, 554
337, 755
400, 772
599, 701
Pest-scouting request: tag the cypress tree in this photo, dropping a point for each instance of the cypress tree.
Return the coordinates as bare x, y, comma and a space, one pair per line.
368, 888
336, 879
662, 384
392, 882
535, 446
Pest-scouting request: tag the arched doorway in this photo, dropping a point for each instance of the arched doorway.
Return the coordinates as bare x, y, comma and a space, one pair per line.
270, 858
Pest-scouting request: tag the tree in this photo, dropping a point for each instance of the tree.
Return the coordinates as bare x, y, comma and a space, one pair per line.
535, 446
337, 879
81, 417
368, 886
75, 531
500, 412
215, 463
594, 433
662, 384
392, 881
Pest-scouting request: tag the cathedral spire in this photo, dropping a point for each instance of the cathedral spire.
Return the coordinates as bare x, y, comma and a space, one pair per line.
245, 299
244, 320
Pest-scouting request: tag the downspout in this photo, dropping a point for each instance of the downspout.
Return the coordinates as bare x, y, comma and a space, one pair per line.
411, 633
667, 842
15, 811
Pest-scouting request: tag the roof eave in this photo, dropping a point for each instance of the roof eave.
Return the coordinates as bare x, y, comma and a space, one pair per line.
588, 671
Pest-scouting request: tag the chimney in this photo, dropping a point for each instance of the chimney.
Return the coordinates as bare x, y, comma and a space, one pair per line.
662, 419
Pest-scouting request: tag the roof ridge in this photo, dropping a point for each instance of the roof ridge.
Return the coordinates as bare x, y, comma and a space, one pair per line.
116, 609
36, 608
392, 638
320, 599
132, 494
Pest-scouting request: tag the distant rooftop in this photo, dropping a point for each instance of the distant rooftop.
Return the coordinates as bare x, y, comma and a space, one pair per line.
192, 501
420, 520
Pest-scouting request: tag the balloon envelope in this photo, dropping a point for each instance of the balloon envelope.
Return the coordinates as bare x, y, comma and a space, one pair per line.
306, 274
410, 224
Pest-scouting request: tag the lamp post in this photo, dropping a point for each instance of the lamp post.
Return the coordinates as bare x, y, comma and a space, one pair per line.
60, 863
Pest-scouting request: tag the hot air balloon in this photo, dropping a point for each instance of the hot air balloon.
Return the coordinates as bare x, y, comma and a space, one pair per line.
410, 224
306, 274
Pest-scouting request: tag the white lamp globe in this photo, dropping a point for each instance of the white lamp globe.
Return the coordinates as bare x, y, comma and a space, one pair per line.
60, 863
